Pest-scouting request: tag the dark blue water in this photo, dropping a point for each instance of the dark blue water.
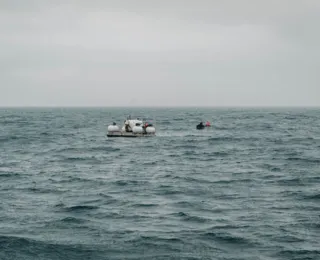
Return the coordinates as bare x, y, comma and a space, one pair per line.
247, 188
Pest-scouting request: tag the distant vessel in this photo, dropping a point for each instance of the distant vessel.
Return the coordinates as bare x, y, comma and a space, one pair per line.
202, 126
132, 128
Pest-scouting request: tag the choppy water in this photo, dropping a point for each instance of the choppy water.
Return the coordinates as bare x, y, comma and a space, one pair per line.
248, 188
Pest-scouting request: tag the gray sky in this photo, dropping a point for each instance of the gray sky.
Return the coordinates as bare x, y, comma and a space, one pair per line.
168, 53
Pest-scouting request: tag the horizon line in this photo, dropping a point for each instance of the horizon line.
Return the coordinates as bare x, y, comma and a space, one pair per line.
163, 106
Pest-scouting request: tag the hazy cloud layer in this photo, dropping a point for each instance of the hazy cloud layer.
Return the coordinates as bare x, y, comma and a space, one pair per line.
102, 53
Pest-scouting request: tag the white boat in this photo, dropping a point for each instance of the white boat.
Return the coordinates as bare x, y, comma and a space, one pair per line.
132, 128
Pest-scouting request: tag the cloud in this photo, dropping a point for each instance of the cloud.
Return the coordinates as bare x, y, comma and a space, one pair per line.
166, 52
127, 31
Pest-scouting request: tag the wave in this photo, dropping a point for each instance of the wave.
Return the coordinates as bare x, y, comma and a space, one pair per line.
187, 146
73, 179
306, 160
271, 169
12, 138
167, 191
291, 181
157, 162
7, 174
288, 239
296, 253
58, 223
179, 119
77, 208
191, 218
85, 159
129, 182
315, 196
227, 238
223, 138
222, 127
88, 149
45, 133
145, 205
159, 238
42, 190
20, 247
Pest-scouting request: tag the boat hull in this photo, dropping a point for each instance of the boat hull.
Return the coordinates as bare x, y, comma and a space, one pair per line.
129, 134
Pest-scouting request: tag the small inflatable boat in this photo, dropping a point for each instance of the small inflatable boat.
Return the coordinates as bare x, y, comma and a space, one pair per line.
202, 126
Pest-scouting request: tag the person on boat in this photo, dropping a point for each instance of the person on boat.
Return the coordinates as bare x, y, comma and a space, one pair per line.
127, 126
144, 127
208, 124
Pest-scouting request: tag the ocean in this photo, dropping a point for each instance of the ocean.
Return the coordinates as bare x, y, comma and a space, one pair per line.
246, 188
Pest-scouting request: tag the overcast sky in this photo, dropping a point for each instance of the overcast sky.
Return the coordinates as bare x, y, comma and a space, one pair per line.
167, 53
